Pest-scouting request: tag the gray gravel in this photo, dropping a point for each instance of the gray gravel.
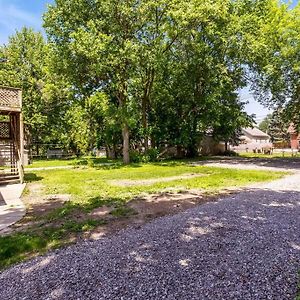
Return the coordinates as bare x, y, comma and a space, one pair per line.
245, 246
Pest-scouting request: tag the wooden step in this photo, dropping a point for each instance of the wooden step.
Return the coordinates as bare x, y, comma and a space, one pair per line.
12, 181
9, 179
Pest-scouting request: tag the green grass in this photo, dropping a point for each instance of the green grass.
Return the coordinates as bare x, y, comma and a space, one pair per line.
22, 245
274, 155
82, 161
123, 211
92, 161
86, 184
90, 188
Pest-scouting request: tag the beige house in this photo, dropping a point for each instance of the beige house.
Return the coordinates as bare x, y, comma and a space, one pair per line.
253, 139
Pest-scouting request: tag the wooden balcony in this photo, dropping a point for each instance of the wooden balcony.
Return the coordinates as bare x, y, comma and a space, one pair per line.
10, 100
11, 135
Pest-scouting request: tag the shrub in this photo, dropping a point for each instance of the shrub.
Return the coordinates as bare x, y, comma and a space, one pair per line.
230, 153
135, 156
152, 154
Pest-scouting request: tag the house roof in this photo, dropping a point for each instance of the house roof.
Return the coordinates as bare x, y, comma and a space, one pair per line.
255, 132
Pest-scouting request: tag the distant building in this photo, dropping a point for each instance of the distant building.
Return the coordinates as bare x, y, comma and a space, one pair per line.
294, 137
253, 139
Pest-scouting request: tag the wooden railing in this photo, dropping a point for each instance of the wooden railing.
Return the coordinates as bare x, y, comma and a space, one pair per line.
19, 157
10, 98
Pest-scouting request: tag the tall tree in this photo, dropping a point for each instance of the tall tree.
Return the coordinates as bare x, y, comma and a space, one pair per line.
278, 127
264, 125
172, 67
26, 55
97, 43
276, 66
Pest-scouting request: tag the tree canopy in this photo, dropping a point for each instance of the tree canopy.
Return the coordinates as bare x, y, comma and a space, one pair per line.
146, 74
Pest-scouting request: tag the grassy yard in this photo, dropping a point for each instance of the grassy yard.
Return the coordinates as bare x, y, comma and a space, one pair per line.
51, 222
73, 161
287, 155
92, 161
85, 184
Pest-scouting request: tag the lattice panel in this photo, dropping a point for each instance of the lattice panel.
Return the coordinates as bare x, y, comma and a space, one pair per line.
5, 130
9, 97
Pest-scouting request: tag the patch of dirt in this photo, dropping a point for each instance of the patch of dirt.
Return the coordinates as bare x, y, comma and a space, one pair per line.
145, 208
42, 205
38, 205
126, 183
165, 203
150, 207
101, 212
34, 188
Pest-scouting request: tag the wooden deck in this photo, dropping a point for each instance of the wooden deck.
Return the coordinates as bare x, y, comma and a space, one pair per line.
11, 135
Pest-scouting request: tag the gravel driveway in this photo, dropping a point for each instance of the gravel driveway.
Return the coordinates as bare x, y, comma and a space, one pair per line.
245, 246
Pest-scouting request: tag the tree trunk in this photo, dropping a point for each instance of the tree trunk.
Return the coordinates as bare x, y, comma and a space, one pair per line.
145, 123
110, 152
192, 151
179, 151
226, 146
145, 105
125, 135
122, 97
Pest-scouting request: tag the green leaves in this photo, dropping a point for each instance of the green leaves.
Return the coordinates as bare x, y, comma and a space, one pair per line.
165, 71
25, 53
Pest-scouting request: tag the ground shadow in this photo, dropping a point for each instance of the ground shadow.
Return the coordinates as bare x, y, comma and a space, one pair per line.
2, 201
113, 166
32, 177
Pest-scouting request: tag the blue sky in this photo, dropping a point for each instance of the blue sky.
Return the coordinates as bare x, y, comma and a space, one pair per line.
14, 14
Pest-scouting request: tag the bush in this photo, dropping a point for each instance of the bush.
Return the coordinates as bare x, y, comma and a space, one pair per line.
152, 154
135, 156
91, 162
230, 153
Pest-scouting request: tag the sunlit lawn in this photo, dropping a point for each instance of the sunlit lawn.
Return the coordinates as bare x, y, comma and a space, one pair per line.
85, 183
295, 155
90, 188
72, 161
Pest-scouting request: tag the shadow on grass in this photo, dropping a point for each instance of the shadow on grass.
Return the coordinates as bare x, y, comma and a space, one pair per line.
117, 166
161, 163
23, 245
68, 209
57, 228
32, 177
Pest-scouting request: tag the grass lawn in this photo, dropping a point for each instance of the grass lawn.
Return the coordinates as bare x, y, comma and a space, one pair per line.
51, 223
274, 155
73, 161
85, 184
92, 161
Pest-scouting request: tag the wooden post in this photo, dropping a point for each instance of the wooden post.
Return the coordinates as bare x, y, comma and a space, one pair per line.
22, 138
20, 98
